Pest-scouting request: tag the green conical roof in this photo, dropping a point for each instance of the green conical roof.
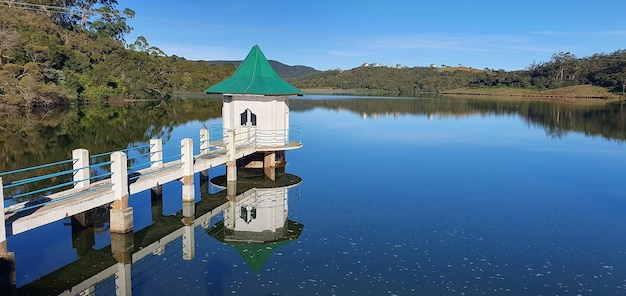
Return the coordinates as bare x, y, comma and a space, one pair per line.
255, 76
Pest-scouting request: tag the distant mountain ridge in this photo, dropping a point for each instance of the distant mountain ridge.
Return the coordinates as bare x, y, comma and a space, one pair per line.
284, 71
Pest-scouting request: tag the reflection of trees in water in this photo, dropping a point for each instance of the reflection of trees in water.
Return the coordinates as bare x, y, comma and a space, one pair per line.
558, 118
32, 139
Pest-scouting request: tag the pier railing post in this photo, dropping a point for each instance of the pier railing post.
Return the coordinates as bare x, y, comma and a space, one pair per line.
205, 149
156, 153
119, 176
186, 159
231, 165
205, 141
121, 214
81, 168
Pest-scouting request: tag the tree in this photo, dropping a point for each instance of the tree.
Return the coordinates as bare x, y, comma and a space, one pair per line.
141, 45
112, 23
8, 40
86, 8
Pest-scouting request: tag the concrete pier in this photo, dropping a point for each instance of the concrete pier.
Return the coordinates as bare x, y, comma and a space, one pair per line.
83, 220
121, 217
156, 202
189, 211
122, 247
83, 234
269, 165
230, 215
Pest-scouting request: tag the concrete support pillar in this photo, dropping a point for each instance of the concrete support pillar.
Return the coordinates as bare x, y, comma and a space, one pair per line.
81, 168
189, 193
186, 159
205, 141
231, 164
121, 214
269, 165
83, 234
188, 230
204, 181
204, 175
156, 153
189, 248
156, 199
121, 220
189, 212
231, 213
231, 170
83, 220
122, 247
156, 192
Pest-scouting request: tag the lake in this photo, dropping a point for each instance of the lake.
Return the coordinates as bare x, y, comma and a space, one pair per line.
411, 196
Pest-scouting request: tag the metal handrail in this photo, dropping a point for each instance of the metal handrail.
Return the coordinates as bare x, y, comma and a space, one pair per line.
37, 167
244, 138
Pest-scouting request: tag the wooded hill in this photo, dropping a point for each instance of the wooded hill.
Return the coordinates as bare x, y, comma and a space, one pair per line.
284, 71
50, 59
563, 70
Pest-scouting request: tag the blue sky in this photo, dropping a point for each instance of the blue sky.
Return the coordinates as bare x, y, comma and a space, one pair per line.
330, 34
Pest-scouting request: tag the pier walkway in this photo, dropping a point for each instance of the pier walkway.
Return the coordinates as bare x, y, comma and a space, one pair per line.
96, 182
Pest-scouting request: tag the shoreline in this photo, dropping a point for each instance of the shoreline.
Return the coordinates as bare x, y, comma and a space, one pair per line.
571, 94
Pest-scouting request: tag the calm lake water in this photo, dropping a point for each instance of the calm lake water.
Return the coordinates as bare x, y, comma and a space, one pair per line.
429, 196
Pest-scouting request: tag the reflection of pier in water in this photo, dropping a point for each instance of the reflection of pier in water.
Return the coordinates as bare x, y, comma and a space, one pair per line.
114, 263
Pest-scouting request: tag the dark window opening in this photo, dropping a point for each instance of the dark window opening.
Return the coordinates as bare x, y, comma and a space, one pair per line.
248, 118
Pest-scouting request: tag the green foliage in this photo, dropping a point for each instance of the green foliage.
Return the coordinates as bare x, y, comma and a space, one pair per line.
83, 58
43, 64
50, 135
112, 23
406, 81
564, 69
284, 71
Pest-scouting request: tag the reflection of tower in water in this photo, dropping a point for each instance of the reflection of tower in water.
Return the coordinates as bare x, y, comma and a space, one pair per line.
256, 220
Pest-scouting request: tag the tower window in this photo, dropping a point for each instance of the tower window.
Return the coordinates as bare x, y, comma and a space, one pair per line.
248, 118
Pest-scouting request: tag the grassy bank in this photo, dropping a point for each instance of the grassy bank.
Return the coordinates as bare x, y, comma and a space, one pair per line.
578, 93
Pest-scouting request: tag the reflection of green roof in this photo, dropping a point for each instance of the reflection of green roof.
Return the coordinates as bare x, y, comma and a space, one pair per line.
256, 254
255, 76
253, 251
